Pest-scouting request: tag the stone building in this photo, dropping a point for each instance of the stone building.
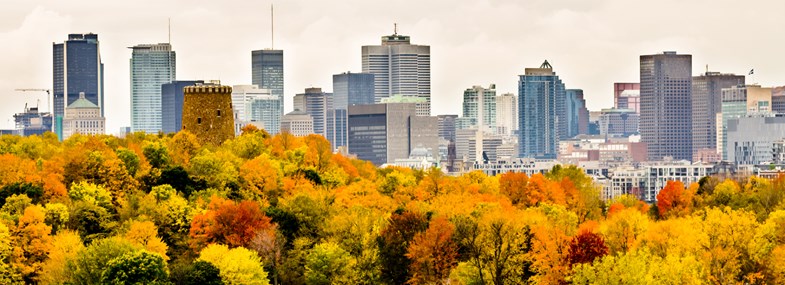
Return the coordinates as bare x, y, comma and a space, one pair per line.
208, 114
83, 117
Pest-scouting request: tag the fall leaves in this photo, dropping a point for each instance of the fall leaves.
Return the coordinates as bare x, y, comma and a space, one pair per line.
264, 209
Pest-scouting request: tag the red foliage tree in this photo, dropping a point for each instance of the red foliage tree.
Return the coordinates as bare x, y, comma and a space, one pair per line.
586, 247
227, 222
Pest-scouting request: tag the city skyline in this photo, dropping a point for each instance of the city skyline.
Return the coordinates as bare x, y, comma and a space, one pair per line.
495, 54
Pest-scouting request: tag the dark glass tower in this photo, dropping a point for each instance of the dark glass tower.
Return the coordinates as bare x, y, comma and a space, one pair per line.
77, 67
172, 104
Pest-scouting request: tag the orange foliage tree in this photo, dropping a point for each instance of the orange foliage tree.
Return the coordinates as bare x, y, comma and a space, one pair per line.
433, 253
513, 185
227, 222
674, 200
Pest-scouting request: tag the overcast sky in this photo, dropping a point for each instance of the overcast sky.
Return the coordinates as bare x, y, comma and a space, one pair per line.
590, 43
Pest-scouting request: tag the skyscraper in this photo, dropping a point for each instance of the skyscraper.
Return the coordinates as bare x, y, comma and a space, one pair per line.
255, 105
319, 105
399, 67
172, 104
267, 73
706, 104
506, 114
577, 115
666, 105
382, 133
541, 98
77, 68
152, 65
348, 89
471, 108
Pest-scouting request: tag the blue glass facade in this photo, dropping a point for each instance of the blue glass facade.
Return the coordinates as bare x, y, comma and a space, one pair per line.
541, 98
267, 71
172, 104
77, 68
348, 89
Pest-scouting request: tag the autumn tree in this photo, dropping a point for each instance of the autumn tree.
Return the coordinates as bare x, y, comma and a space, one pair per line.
236, 266
433, 253
32, 243
674, 200
328, 263
227, 222
586, 247
513, 185
65, 246
394, 242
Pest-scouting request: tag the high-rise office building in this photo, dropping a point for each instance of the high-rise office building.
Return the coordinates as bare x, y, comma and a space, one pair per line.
541, 98
737, 102
666, 105
577, 115
447, 127
319, 105
349, 89
382, 133
399, 67
77, 68
422, 104
256, 105
706, 104
152, 65
172, 104
506, 114
471, 107
267, 73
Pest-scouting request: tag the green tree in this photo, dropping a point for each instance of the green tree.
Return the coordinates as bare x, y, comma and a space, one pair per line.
328, 263
130, 160
138, 267
89, 264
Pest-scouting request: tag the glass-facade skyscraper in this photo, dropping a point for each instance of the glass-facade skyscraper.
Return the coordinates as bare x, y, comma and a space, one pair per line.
172, 104
254, 104
267, 73
399, 67
471, 101
541, 100
77, 67
152, 65
706, 104
348, 89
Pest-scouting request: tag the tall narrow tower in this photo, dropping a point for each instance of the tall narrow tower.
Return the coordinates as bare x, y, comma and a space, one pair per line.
666, 105
152, 65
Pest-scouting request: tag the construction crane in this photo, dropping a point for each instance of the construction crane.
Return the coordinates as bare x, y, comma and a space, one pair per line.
48, 95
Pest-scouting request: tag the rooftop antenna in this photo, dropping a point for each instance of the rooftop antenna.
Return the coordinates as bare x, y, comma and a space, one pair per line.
170, 31
395, 29
272, 26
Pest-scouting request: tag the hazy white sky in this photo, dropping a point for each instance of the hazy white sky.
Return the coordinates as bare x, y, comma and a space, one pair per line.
590, 43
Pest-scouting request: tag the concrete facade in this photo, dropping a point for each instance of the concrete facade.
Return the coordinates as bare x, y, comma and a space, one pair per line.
706, 104
399, 68
666, 105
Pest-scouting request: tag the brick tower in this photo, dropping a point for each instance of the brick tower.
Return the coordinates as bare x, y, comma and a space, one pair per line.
207, 113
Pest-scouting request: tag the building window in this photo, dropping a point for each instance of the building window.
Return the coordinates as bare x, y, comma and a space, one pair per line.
199, 120
218, 112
